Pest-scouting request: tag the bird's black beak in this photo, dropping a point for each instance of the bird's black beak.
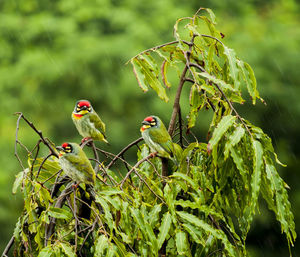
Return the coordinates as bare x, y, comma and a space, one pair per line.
144, 122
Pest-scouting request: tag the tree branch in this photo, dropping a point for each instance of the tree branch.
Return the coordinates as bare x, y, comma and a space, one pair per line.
134, 168
8, 246
123, 151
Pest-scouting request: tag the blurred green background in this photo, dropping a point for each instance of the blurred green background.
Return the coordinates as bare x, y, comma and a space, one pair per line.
53, 53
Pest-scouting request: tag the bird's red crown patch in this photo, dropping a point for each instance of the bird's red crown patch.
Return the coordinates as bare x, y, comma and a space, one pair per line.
64, 145
149, 119
84, 103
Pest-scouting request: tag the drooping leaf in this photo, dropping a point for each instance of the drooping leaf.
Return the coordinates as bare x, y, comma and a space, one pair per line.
232, 64
164, 229
101, 244
60, 213
17, 182
220, 82
219, 234
182, 243
46, 252
283, 207
67, 249
255, 180
233, 139
221, 128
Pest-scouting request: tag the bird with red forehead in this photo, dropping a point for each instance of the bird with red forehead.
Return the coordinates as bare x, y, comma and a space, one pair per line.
75, 163
157, 137
87, 121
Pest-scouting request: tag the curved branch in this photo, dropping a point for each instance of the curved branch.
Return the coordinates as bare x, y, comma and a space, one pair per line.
8, 246
134, 168
39, 132
123, 151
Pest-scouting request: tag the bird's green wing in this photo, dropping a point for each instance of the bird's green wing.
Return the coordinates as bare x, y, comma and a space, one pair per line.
163, 139
99, 124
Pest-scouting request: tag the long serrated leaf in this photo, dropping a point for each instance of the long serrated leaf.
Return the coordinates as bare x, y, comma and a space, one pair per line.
232, 63
233, 139
196, 235
138, 74
219, 234
164, 229
101, 244
46, 252
164, 68
60, 213
154, 215
283, 207
249, 78
255, 180
217, 81
67, 249
182, 243
17, 182
186, 178
151, 78
225, 123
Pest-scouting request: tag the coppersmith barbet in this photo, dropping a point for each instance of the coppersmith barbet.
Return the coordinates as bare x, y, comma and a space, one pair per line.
87, 121
157, 137
75, 163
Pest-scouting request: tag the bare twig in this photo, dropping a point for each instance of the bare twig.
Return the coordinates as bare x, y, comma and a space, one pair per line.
123, 151
176, 101
42, 163
8, 246
134, 168
44, 140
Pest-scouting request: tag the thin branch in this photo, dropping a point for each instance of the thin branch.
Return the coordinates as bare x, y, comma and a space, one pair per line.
8, 246
176, 101
134, 168
123, 151
39, 132
159, 46
233, 109
42, 163
176, 104
16, 142
180, 127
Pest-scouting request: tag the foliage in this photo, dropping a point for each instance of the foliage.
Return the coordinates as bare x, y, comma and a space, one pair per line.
207, 204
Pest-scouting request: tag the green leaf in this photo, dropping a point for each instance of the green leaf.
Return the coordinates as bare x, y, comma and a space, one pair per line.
225, 123
196, 235
67, 249
186, 178
283, 207
60, 213
101, 244
154, 215
46, 252
219, 234
18, 181
164, 229
233, 139
223, 85
255, 180
249, 78
232, 63
164, 68
137, 70
150, 76
107, 214
182, 243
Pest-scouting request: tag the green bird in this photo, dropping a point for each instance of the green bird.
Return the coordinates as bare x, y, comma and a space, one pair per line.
87, 122
157, 137
75, 163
